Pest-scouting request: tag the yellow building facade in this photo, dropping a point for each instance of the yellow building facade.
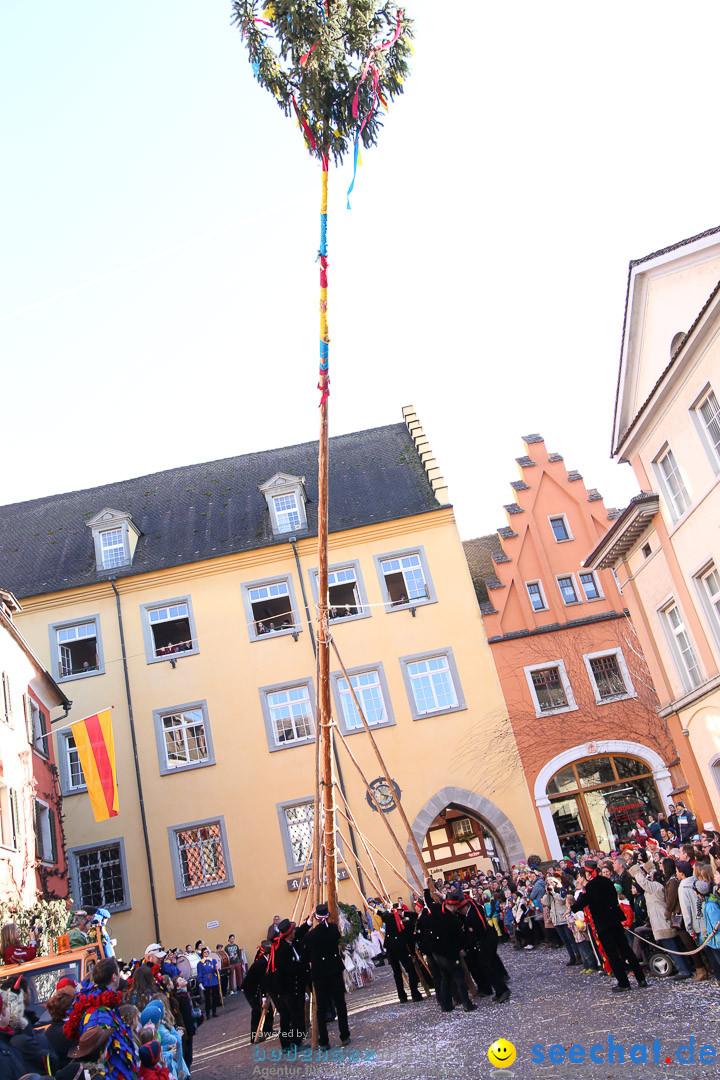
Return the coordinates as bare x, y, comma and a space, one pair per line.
186, 601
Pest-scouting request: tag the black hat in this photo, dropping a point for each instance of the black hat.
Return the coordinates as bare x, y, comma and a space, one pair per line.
285, 926
456, 896
590, 864
322, 911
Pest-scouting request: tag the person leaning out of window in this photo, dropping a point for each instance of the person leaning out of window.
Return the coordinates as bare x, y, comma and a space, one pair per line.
12, 949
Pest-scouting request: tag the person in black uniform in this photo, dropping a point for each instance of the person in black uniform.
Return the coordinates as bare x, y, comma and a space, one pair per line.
481, 956
423, 942
287, 979
400, 949
600, 896
326, 971
446, 941
255, 987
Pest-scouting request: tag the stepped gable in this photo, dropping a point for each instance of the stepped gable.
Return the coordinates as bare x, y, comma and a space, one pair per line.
199, 512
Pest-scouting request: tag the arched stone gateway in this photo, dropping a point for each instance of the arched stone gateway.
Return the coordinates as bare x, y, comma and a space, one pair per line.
498, 824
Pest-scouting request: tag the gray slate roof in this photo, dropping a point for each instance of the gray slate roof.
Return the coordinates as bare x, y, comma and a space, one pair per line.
200, 512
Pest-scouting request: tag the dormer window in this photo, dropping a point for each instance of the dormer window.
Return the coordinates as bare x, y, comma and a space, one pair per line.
115, 538
285, 497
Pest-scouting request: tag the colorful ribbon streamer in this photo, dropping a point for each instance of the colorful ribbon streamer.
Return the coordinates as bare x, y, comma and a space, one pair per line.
324, 383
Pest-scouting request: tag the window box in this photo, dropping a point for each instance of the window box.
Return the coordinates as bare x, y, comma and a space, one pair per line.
169, 629
98, 875
550, 688
183, 738
76, 649
270, 608
371, 690
200, 857
405, 579
289, 713
432, 683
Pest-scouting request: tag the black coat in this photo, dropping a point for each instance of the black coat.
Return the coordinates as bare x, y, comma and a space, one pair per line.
446, 936
321, 952
475, 927
56, 1037
288, 973
184, 1005
399, 941
255, 983
35, 1050
423, 932
12, 1066
600, 896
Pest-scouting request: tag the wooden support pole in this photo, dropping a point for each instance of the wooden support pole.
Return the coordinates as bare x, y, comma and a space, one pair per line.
394, 869
360, 865
300, 888
383, 816
350, 818
383, 766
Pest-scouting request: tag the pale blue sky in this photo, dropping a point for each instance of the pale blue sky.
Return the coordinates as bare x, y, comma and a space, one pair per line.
158, 284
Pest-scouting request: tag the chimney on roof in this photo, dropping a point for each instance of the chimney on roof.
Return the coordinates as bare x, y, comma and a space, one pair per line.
426, 455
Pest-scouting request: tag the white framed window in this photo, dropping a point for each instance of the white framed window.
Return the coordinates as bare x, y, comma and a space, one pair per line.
45, 839
590, 586
112, 545
609, 676
169, 629
183, 737
371, 690
37, 726
680, 645
560, 528
76, 648
98, 875
347, 598
550, 688
432, 683
568, 589
296, 828
706, 414
405, 579
537, 595
289, 714
6, 712
462, 829
270, 608
72, 779
9, 818
671, 483
200, 857
286, 498
115, 538
707, 583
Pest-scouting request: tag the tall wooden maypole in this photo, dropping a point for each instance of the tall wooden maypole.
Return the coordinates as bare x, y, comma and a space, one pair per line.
336, 64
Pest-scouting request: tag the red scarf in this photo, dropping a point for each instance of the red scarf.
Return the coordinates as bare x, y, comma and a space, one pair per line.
398, 920
275, 942
88, 1001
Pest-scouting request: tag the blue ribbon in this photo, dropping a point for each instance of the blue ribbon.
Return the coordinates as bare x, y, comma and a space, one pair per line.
355, 163
324, 351
323, 234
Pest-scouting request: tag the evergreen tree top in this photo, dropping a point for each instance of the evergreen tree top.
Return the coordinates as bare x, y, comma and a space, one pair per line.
336, 63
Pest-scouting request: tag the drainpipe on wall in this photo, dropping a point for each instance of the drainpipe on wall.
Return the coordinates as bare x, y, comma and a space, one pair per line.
137, 765
338, 767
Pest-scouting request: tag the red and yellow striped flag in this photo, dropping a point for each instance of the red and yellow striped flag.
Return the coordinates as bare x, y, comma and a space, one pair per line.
96, 750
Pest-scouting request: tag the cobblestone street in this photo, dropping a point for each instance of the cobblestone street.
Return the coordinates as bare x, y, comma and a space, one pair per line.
551, 1006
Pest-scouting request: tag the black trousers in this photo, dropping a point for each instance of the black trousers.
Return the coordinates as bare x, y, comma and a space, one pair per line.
485, 966
452, 980
618, 951
292, 1018
331, 991
404, 959
256, 1013
212, 999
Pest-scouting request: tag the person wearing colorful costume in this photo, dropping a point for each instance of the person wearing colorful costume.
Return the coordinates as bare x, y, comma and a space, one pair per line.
96, 1005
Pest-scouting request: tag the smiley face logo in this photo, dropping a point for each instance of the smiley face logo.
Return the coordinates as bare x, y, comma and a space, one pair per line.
501, 1054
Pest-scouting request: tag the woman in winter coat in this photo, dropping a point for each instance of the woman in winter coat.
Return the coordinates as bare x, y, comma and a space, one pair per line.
12, 1066
663, 932
185, 1007
553, 902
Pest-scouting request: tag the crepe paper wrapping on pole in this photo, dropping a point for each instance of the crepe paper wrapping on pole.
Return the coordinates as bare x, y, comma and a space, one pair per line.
324, 383
96, 751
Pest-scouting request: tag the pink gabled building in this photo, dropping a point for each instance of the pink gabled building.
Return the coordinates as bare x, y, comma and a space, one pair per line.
32, 851
581, 703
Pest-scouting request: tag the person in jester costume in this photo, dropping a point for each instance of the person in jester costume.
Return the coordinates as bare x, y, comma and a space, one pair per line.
96, 1005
